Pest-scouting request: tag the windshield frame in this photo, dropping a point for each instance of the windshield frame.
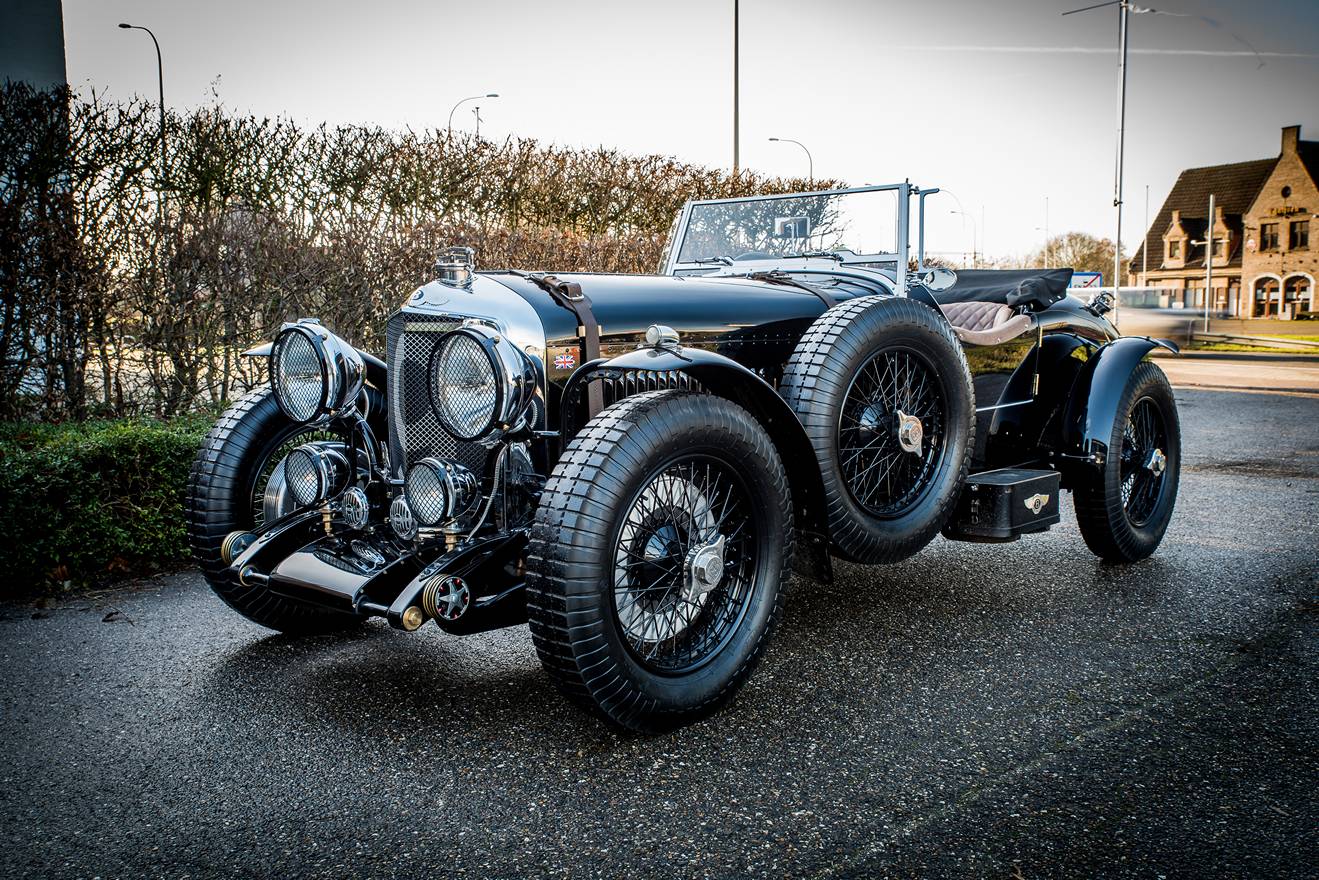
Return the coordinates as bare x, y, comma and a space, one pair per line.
898, 258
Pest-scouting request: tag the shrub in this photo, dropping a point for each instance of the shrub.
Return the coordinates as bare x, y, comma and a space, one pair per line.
82, 504
129, 289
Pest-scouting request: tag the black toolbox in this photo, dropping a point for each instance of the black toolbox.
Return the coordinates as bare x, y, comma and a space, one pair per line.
1005, 504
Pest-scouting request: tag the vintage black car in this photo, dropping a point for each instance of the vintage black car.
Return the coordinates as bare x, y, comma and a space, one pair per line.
632, 463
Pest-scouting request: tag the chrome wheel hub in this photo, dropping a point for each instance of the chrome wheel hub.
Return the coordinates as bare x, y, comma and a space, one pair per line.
704, 568
1156, 462
910, 433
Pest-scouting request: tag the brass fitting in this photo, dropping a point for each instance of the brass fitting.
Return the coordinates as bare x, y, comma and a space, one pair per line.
413, 618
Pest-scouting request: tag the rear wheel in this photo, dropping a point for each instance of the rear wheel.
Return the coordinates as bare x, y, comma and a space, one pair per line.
882, 388
1124, 509
656, 557
227, 493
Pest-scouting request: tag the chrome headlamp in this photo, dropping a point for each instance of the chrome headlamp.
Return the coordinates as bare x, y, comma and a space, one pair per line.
438, 491
479, 382
314, 471
313, 373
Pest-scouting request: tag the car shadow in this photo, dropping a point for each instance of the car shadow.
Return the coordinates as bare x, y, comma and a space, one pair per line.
379, 682
376, 682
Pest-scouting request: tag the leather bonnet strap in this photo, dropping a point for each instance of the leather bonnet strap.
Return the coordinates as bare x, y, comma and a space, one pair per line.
569, 295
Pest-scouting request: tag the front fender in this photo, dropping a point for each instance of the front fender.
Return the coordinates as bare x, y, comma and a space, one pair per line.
727, 378
1092, 405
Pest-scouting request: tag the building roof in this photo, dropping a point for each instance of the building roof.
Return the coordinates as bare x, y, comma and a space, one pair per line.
1234, 187
1309, 153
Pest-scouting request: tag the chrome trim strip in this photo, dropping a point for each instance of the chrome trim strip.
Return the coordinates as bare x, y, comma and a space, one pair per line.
981, 409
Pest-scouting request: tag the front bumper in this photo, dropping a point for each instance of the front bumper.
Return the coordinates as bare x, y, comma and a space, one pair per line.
370, 574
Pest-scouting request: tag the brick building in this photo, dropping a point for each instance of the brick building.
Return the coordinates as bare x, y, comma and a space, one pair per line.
1263, 265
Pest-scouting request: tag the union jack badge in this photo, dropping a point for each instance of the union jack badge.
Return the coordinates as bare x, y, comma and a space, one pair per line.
564, 361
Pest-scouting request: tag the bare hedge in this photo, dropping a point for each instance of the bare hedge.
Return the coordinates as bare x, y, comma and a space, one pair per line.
127, 290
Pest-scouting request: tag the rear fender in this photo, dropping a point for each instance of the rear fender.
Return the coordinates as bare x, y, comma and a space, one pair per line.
1092, 406
727, 378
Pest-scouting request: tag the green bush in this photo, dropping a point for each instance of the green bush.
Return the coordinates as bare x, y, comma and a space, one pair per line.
84, 503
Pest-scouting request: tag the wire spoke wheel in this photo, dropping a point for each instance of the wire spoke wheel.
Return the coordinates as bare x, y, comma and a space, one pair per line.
887, 465
1144, 441
656, 557
684, 564
1123, 507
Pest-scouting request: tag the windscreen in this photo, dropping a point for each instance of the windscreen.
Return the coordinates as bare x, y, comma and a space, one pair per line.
861, 222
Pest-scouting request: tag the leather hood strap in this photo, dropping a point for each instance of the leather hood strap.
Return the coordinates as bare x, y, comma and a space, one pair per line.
569, 295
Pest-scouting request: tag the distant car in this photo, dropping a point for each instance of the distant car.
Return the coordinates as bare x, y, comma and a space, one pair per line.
633, 462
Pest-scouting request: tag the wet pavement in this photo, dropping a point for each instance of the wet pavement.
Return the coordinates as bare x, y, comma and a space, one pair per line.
1008, 711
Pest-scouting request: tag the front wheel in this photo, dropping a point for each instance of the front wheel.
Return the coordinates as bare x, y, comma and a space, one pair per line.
1124, 509
226, 493
656, 557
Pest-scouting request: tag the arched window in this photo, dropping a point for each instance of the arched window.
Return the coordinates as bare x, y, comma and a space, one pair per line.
1266, 297
1296, 293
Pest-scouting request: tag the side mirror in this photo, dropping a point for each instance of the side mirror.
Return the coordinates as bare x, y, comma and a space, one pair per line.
938, 278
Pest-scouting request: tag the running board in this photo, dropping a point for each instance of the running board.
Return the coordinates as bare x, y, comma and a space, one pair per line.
1002, 505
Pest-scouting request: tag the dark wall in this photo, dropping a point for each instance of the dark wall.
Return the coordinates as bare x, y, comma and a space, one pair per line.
32, 42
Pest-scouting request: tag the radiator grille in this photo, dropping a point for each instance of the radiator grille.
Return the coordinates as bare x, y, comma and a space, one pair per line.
414, 431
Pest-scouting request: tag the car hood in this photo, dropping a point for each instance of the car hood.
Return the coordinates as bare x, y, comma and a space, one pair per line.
699, 308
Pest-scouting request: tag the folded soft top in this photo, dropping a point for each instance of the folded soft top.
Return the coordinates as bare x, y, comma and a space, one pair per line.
1034, 288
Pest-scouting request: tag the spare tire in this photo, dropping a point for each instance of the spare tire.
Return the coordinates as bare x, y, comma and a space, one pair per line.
883, 390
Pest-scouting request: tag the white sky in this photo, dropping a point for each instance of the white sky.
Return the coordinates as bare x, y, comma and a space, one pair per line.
1003, 102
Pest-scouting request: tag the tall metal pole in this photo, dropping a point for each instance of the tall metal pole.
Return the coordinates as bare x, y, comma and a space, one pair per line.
160, 81
737, 137
810, 162
463, 101
1123, 8
1209, 260
974, 234
1144, 245
1048, 244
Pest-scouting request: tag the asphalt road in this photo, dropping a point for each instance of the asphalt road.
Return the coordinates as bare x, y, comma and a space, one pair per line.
1016, 711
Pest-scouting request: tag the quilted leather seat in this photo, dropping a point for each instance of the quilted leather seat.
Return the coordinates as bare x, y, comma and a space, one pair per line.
985, 323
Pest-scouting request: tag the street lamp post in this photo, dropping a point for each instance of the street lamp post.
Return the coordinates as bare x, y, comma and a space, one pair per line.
1209, 260
810, 163
160, 81
1048, 243
1124, 8
974, 236
464, 101
1144, 244
737, 137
